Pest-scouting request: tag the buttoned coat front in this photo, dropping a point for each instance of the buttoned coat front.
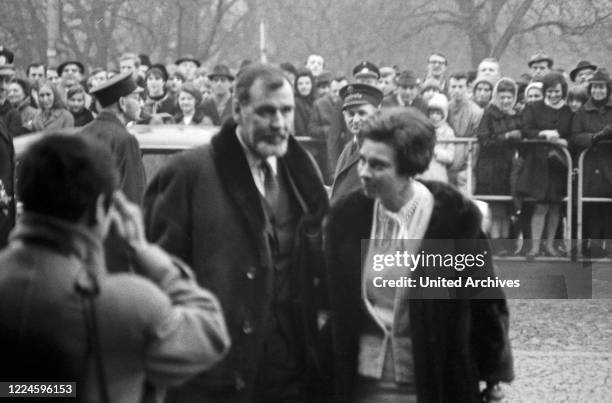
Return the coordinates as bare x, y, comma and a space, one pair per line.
204, 207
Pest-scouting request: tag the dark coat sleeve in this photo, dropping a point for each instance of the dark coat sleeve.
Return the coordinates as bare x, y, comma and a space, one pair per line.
131, 169
167, 209
581, 136
530, 129
13, 123
7, 197
320, 119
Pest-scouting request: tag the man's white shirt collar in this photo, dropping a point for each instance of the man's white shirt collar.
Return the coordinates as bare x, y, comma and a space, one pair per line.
254, 162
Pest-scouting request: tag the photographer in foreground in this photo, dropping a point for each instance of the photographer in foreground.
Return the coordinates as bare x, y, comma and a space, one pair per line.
64, 318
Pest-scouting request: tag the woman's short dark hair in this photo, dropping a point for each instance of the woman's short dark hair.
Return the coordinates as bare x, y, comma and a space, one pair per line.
63, 175
25, 86
77, 89
551, 79
406, 131
578, 92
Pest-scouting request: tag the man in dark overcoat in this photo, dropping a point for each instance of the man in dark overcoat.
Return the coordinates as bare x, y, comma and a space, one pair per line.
245, 212
120, 103
360, 102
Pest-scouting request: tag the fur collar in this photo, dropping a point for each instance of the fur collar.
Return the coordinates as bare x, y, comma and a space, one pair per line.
453, 216
234, 171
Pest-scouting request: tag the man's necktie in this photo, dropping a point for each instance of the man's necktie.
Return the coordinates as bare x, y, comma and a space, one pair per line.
270, 184
354, 147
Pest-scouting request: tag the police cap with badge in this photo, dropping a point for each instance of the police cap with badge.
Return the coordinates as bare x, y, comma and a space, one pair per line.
360, 94
111, 90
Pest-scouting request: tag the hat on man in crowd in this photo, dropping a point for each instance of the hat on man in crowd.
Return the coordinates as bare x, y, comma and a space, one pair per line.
386, 71
601, 75
407, 78
144, 60
221, 70
158, 68
540, 57
7, 70
366, 70
582, 65
8, 55
188, 58
360, 94
111, 90
61, 67
325, 78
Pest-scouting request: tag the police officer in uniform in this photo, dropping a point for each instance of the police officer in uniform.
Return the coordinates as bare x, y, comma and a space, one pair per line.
360, 102
119, 103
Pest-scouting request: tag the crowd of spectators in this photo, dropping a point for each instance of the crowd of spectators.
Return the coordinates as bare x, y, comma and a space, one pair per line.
519, 126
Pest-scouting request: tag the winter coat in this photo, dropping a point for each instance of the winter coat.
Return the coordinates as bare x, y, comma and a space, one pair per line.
327, 124
203, 206
444, 153
124, 148
597, 172
209, 108
162, 330
443, 156
391, 100
7, 184
27, 113
496, 152
11, 119
538, 178
53, 119
82, 117
454, 342
303, 110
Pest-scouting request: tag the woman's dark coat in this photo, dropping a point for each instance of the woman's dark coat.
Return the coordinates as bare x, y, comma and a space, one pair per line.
455, 342
538, 178
496, 152
82, 117
303, 110
598, 166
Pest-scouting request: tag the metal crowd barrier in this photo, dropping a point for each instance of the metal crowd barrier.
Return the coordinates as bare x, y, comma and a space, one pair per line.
472, 146
581, 199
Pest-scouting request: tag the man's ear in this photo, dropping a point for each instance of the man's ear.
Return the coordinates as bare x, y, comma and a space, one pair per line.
122, 104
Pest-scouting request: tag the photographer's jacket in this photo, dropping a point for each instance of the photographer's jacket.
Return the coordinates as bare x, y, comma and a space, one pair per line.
162, 329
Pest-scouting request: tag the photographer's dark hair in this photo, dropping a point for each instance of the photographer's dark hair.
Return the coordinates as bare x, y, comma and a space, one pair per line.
406, 131
62, 176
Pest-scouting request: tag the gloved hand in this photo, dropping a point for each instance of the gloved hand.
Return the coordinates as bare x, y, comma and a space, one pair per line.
603, 134
514, 135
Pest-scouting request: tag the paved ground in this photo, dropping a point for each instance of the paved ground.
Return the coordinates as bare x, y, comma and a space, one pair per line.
562, 348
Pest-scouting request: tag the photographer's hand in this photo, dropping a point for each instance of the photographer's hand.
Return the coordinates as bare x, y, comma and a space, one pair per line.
128, 221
